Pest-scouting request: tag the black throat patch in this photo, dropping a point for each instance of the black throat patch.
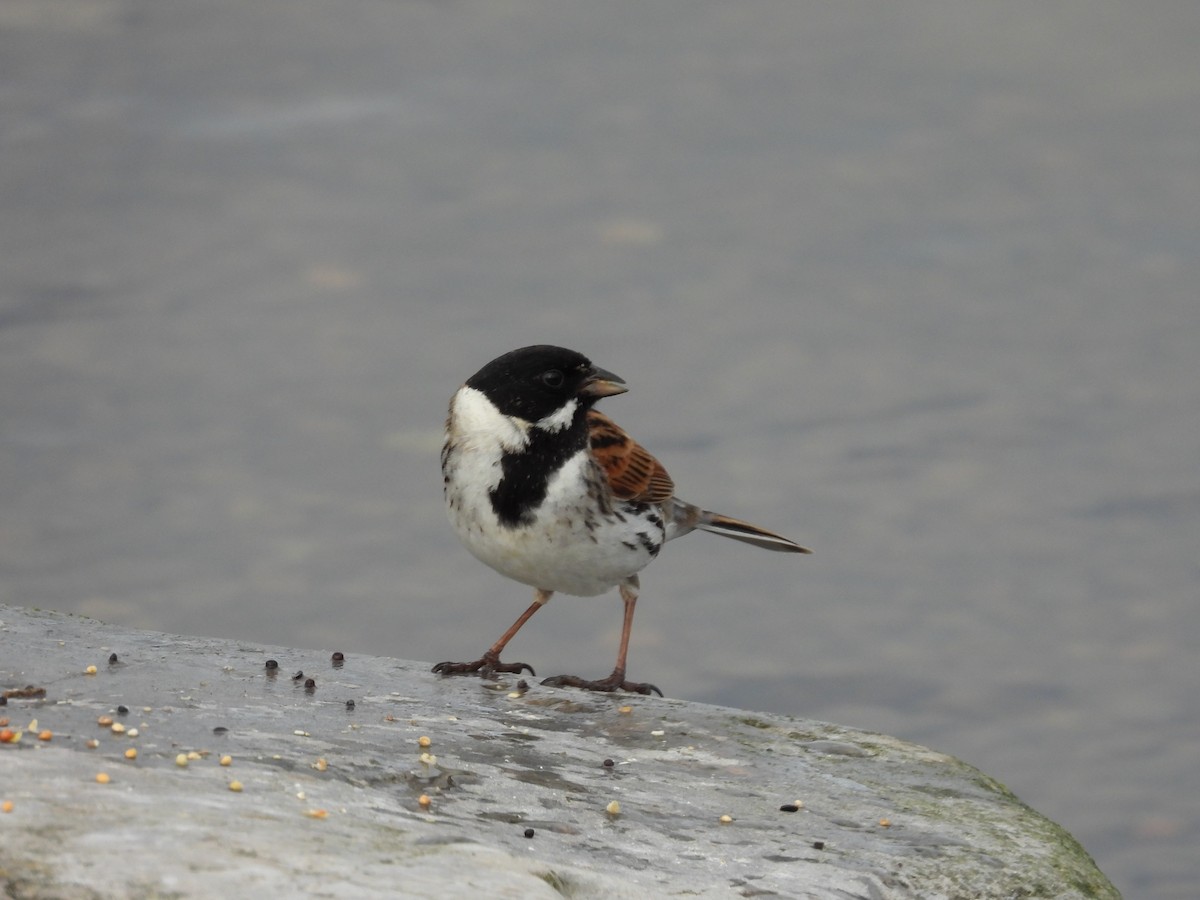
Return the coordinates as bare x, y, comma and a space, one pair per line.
527, 474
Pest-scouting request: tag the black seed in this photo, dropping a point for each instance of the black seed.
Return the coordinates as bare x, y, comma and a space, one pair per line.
528, 832
339, 659
122, 710
818, 845
789, 807
608, 764
272, 664
220, 729
112, 659
522, 685
310, 684
299, 674
349, 704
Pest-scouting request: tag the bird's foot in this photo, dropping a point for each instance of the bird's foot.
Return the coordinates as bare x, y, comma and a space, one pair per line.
488, 664
614, 682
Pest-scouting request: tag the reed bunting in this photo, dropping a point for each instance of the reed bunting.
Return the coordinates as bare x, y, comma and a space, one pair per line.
552, 493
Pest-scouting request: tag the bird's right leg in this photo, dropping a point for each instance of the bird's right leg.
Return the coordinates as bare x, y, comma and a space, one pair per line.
490, 661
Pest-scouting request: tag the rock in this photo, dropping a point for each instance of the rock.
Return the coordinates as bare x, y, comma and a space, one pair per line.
331, 796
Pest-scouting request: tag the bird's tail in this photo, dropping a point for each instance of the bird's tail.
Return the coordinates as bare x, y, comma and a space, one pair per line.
686, 517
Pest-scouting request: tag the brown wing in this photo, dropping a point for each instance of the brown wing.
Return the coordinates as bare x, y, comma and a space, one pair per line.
633, 474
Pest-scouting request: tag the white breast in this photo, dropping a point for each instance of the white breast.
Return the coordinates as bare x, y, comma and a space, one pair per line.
569, 546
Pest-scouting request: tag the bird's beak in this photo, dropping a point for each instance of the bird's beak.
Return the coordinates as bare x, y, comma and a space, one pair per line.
601, 383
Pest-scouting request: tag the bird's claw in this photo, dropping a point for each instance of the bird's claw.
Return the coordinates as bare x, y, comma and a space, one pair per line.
614, 682
486, 665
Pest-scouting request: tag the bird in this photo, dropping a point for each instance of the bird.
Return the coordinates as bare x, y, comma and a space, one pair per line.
552, 493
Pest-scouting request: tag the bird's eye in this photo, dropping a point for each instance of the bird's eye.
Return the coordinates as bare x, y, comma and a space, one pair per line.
553, 378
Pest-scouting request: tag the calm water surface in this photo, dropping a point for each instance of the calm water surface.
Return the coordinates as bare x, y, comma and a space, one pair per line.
914, 284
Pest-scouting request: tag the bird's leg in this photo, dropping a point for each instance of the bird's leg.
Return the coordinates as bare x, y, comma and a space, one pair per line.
616, 681
490, 661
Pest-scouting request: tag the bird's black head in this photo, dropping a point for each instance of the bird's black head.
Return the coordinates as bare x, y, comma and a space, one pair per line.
535, 382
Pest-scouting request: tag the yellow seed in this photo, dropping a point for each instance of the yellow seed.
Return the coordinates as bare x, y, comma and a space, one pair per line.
613, 808
104, 721
235, 786
192, 754
428, 759
423, 801
102, 778
132, 732
321, 764
181, 760
90, 670
118, 728
226, 760
423, 741
92, 744
624, 710
726, 819
317, 813
45, 735
799, 804
6, 806
131, 753
885, 823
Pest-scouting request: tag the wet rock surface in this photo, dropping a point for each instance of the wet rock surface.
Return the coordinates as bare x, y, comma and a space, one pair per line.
330, 789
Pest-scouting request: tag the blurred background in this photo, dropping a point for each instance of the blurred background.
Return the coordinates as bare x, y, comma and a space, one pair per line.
914, 283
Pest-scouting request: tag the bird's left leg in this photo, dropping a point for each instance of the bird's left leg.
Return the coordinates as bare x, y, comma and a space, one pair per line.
616, 681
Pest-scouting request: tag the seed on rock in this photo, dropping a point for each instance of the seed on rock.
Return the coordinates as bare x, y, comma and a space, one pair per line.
131, 753
122, 710
102, 778
90, 670
529, 832
321, 764
91, 743
6, 806
613, 808
339, 659
789, 807
132, 732
272, 664
424, 741
181, 760
624, 710
45, 735
424, 802
608, 764
118, 728
725, 819
317, 813
112, 659
818, 845
349, 704
105, 721
235, 786
226, 760
885, 823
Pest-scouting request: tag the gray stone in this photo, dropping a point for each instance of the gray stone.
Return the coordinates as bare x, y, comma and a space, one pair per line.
330, 807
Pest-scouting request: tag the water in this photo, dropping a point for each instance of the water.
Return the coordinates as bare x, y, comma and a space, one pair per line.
914, 285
